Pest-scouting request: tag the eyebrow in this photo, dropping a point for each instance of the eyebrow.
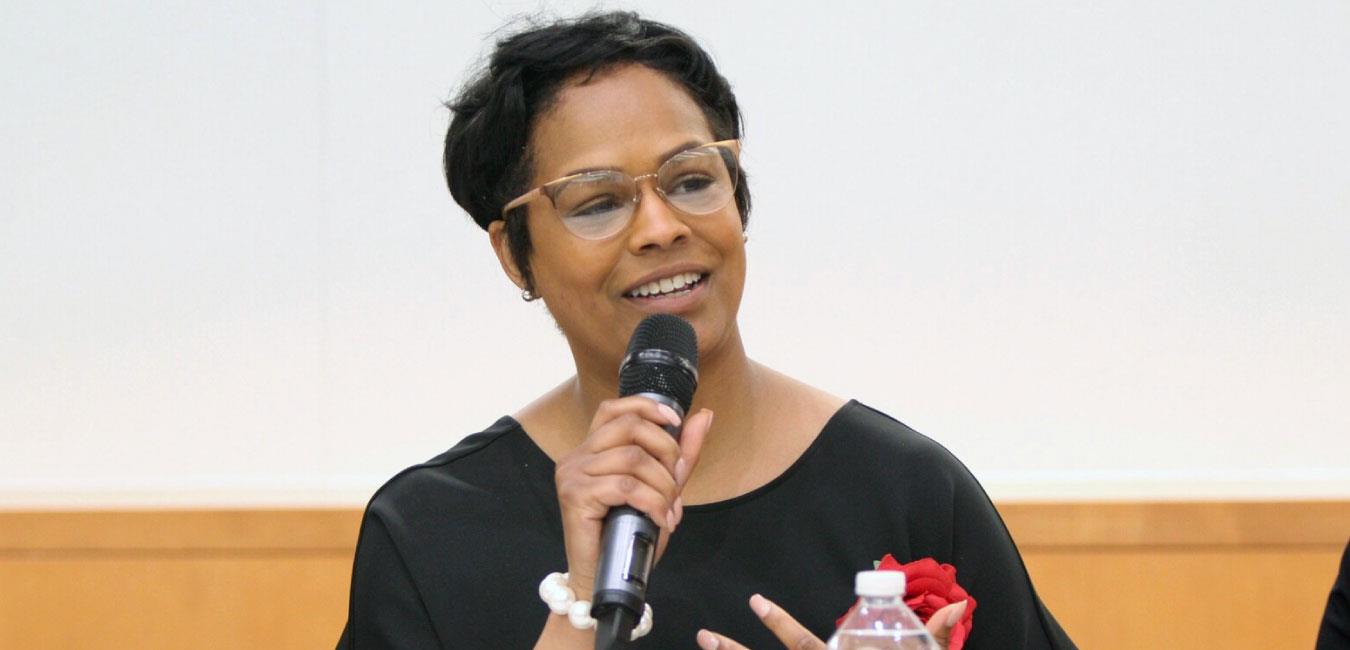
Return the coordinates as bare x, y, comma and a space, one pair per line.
667, 155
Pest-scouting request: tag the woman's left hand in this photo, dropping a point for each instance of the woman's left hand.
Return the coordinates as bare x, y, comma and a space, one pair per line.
796, 637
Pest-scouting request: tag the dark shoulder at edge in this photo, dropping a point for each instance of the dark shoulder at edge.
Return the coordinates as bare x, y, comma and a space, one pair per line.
870, 431
408, 484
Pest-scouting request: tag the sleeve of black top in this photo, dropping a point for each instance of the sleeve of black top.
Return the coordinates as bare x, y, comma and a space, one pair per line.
385, 610
1008, 612
1335, 631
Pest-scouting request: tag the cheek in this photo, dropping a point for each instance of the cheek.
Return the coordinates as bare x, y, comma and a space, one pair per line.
568, 272
731, 240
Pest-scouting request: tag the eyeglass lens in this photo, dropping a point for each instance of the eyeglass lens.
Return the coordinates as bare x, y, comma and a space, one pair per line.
598, 204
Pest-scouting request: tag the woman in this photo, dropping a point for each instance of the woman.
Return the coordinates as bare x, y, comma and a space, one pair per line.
601, 156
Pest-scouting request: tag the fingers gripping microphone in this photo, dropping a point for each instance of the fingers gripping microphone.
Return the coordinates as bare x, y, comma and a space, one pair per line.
661, 365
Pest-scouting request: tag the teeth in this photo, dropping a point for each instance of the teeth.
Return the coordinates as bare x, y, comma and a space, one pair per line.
666, 285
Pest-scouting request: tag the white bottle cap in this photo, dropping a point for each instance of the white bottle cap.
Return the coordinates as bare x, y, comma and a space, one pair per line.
879, 584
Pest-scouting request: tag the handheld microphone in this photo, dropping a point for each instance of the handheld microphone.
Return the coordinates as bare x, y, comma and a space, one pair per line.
661, 365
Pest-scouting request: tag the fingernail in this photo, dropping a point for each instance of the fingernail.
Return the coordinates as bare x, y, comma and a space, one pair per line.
706, 640
681, 472
671, 415
670, 519
761, 605
679, 510
957, 612
710, 417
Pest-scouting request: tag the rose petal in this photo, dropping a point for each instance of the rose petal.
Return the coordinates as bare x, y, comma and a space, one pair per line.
889, 563
935, 602
958, 637
926, 586
926, 567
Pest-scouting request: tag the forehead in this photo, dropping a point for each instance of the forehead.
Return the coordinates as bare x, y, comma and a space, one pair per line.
625, 118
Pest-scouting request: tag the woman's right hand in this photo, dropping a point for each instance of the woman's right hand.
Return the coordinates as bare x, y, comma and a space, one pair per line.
626, 459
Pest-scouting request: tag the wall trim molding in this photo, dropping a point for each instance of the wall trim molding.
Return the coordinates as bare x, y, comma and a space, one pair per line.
1178, 523
199, 530
1047, 525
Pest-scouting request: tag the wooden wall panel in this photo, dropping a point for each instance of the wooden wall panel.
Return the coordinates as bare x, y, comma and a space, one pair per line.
1243, 575
1186, 597
169, 580
161, 602
1117, 575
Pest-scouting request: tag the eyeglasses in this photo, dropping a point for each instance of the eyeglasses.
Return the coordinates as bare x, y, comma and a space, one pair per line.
599, 204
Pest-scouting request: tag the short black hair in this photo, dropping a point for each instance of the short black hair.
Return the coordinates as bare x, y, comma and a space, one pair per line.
487, 156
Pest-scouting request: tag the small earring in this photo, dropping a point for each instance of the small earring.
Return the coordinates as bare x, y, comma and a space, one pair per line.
528, 296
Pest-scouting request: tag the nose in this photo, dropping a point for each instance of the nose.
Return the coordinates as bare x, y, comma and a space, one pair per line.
656, 225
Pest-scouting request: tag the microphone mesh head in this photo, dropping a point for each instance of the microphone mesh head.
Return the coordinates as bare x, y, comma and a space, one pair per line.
666, 332
673, 335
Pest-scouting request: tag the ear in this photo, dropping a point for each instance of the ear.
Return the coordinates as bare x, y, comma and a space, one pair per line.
502, 246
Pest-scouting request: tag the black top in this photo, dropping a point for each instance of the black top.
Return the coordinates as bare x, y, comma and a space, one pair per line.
452, 551
1335, 632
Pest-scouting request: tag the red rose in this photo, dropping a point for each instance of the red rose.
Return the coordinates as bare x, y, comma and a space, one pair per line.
930, 586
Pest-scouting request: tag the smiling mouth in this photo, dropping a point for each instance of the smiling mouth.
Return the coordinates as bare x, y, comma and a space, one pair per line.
671, 287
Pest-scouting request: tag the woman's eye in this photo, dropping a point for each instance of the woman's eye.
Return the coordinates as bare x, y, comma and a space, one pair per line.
597, 207
688, 184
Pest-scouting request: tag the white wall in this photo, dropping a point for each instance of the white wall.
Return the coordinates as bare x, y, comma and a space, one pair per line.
1097, 249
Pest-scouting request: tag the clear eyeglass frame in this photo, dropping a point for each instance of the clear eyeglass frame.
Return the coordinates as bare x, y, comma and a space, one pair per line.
720, 160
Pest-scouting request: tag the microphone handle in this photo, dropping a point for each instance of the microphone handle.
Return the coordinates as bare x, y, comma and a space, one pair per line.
627, 553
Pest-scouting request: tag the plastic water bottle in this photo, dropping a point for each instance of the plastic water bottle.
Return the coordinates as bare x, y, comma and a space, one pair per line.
881, 621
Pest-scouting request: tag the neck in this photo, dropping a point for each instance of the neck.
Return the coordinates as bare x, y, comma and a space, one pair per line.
728, 384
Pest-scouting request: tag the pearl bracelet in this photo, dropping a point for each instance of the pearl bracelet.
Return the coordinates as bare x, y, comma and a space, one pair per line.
563, 601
